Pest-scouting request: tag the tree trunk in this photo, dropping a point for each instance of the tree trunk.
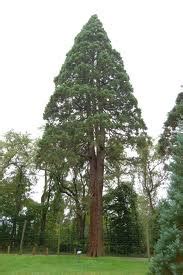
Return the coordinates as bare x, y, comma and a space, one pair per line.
18, 204
148, 241
13, 232
42, 227
22, 238
96, 203
44, 209
81, 217
58, 241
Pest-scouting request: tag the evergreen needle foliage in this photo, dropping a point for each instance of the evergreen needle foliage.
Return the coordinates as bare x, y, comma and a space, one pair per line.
92, 113
168, 136
169, 248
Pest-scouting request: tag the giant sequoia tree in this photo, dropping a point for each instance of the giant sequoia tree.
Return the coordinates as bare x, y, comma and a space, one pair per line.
92, 111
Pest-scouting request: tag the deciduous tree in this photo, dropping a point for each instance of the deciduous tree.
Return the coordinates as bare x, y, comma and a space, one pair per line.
17, 172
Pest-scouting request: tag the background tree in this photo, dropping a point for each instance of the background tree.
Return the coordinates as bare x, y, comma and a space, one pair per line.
171, 125
30, 213
151, 175
68, 179
122, 224
17, 175
169, 248
45, 204
92, 109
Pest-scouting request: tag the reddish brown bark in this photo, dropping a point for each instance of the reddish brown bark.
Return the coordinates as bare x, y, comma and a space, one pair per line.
179, 259
96, 190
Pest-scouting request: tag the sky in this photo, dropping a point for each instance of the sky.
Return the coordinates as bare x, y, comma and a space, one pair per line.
35, 36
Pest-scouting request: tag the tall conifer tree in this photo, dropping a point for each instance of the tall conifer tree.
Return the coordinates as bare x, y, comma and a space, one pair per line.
169, 249
92, 111
168, 136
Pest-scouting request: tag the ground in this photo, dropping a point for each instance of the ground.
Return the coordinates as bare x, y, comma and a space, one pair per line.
26, 264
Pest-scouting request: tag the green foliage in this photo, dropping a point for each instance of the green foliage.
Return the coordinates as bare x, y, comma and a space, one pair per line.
17, 175
92, 115
123, 231
169, 249
171, 126
93, 106
152, 175
151, 170
92, 97
17, 171
149, 224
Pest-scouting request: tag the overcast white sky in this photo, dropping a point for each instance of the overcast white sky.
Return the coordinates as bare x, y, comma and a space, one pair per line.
35, 36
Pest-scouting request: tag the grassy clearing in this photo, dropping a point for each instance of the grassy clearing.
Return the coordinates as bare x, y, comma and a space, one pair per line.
25, 264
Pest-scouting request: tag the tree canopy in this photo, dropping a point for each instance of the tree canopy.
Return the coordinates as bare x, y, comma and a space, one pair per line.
92, 111
171, 126
169, 248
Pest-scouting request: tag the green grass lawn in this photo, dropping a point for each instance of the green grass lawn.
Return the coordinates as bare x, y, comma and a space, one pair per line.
25, 264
